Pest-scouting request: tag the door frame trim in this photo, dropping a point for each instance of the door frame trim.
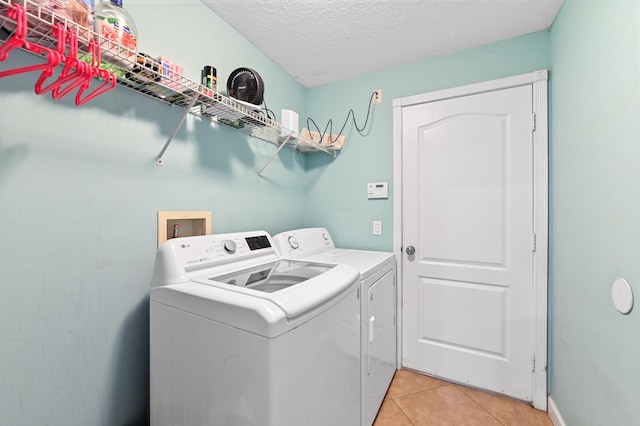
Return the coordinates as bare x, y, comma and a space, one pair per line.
539, 82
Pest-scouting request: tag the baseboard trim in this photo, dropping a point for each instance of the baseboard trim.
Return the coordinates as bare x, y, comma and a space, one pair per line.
554, 413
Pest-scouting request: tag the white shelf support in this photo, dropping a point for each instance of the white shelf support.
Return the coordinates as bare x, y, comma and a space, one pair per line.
159, 160
282, 145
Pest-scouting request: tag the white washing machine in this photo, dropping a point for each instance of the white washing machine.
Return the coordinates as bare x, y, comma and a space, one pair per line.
377, 311
239, 336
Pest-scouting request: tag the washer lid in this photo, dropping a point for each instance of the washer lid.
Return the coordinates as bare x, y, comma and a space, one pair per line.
296, 287
260, 312
274, 276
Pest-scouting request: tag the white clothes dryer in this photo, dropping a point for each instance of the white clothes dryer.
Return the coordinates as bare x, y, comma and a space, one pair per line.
239, 336
377, 310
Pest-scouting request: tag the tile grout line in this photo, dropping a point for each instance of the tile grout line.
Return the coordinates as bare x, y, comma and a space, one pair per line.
393, 398
461, 389
458, 387
422, 390
403, 413
468, 392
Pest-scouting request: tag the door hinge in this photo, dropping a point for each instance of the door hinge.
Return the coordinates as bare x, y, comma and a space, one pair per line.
533, 122
533, 242
533, 363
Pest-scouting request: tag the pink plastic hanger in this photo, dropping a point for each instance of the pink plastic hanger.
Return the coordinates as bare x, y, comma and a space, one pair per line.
74, 72
109, 78
60, 33
18, 39
19, 36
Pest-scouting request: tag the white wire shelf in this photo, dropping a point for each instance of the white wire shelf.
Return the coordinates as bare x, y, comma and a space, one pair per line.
144, 75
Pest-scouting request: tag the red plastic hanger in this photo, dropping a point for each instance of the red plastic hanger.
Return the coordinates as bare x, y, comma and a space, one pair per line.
109, 78
19, 36
60, 33
74, 72
18, 39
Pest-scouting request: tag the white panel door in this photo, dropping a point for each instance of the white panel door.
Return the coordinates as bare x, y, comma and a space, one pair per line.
468, 219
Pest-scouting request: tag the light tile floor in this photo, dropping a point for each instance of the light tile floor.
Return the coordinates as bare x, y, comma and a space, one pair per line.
414, 399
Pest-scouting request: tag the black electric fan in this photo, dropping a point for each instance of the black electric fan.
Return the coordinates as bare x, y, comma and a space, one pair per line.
246, 85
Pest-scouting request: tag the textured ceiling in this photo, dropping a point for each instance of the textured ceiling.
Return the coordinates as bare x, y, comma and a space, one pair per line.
324, 41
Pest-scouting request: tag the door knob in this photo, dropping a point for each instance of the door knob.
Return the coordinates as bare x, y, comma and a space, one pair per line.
411, 250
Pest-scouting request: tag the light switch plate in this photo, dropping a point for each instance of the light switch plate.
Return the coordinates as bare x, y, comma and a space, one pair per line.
377, 227
377, 190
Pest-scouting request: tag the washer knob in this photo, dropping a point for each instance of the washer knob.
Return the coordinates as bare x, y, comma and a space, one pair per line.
293, 242
229, 246
325, 236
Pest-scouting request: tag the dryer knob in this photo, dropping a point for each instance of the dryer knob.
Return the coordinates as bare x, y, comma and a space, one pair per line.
293, 242
325, 236
229, 246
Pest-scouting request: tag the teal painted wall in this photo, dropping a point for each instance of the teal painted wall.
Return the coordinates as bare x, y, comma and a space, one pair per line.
79, 194
594, 211
337, 195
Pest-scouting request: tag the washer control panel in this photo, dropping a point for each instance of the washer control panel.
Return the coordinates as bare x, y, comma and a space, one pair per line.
194, 252
178, 257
